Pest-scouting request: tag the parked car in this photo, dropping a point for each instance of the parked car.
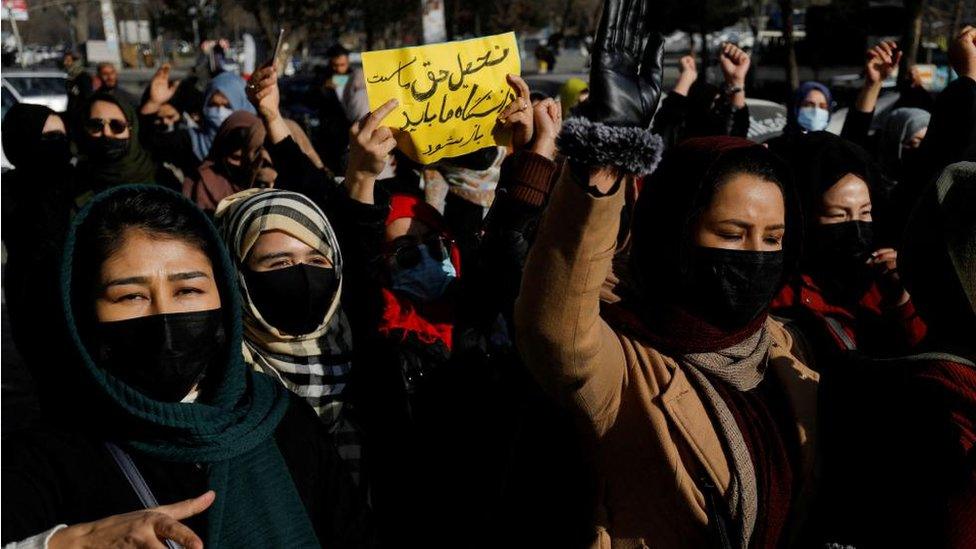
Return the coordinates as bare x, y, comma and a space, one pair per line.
36, 87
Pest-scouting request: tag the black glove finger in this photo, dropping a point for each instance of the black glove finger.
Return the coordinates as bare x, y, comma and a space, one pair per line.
634, 31
606, 28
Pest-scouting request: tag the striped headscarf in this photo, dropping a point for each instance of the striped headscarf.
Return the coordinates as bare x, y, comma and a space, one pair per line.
315, 366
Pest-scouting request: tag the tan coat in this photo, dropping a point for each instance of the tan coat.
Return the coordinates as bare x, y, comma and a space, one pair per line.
655, 441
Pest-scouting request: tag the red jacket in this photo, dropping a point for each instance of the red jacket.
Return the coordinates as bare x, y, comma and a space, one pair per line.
871, 326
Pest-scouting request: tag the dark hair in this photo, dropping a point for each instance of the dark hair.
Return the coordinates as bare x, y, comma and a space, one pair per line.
158, 215
336, 50
726, 169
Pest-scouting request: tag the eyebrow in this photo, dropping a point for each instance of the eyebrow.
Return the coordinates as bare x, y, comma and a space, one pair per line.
273, 255
189, 275
743, 225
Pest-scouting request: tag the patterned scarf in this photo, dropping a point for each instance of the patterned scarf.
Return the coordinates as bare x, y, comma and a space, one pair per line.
742, 366
315, 366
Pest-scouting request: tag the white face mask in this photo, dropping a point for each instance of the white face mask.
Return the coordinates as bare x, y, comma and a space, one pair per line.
813, 119
217, 115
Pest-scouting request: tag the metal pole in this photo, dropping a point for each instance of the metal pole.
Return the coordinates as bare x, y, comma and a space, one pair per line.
13, 27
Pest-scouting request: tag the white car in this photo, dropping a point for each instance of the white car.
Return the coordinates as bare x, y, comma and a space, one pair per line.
35, 87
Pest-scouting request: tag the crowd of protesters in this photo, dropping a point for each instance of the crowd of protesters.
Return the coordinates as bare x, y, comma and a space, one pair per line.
632, 327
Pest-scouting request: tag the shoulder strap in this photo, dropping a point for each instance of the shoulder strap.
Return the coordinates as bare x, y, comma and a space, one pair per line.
137, 482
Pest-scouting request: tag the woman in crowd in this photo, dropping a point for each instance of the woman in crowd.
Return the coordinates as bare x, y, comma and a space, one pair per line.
113, 153
295, 330
701, 412
848, 294
237, 160
913, 418
810, 108
165, 409
901, 136
37, 202
225, 93
251, 151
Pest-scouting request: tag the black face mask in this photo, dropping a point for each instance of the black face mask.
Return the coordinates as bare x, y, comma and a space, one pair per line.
108, 149
53, 151
162, 356
294, 299
730, 288
840, 253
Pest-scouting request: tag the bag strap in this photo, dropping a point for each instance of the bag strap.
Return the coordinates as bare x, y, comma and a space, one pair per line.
718, 517
137, 482
835, 328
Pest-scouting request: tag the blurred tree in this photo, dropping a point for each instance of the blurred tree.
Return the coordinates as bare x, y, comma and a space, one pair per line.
912, 39
792, 69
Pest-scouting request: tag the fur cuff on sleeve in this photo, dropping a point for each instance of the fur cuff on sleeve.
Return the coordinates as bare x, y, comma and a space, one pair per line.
630, 150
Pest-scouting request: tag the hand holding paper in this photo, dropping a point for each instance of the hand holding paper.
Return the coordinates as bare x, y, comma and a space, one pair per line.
450, 94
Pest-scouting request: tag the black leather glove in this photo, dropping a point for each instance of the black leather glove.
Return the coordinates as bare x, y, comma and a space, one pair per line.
627, 68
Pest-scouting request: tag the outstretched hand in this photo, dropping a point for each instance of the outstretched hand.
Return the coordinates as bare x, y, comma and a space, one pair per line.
146, 528
882, 60
517, 116
161, 90
262, 92
625, 77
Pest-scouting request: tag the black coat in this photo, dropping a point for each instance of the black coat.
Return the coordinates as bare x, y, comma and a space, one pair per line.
55, 477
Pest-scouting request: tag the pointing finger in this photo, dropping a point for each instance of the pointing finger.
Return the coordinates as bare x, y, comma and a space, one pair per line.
373, 119
189, 507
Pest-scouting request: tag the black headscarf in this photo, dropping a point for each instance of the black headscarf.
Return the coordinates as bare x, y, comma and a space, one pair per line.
135, 167
22, 127
938, 259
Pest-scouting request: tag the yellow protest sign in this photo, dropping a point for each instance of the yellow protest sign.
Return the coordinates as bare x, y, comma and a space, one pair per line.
450, 94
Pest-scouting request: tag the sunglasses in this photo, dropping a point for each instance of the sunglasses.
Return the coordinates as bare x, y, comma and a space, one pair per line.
406, 250
96, 125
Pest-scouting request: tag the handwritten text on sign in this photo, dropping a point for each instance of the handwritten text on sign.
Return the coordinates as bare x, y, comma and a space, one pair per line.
450, 94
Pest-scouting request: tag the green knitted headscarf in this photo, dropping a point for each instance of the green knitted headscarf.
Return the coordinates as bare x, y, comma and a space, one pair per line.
231, 430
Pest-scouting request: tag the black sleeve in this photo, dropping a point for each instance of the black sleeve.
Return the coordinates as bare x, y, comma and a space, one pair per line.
523, 190
361, 238
857, 125
31, 495
670, 118
297, 173
740, 122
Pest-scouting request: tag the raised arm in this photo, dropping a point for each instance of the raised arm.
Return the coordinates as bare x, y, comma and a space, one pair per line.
561, 336
880, 63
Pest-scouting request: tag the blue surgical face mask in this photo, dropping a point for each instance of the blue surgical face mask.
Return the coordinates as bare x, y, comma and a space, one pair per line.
813, 119
427, 280
217, 115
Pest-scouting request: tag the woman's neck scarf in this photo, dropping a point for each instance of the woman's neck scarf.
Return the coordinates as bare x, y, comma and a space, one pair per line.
230, 86
135, 167
317, 365
230, 431
472, 177
244, 132
432, 322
